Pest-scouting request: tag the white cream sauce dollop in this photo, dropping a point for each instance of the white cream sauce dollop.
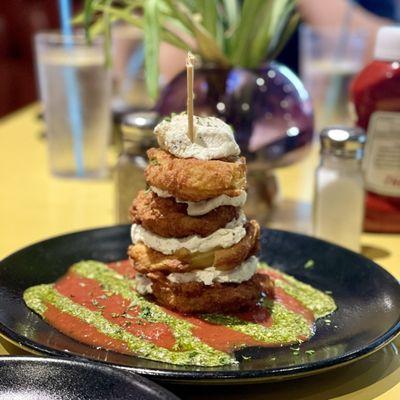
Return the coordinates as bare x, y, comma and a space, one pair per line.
196, 208
143, 284
231, 234
214, 138
208, 276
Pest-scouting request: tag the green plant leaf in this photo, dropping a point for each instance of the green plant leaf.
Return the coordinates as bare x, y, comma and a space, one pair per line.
285, 36
124, 14
171, 22
78, 19
88, 18
152, 45
97, 27
207, 46
225, 32
178, 17
232, 13
259, 33
213, 20
269, 30
175, 40
209, 15
231, 16
244, 33
107, 34
138, 21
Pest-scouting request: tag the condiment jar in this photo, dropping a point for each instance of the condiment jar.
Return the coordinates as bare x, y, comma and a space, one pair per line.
137, 138
118, 109
339, 188
375, 95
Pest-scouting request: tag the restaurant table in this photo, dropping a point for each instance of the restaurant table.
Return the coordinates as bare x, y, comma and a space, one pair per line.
35, 205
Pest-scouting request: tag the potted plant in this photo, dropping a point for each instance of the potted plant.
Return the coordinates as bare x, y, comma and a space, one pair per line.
237, 80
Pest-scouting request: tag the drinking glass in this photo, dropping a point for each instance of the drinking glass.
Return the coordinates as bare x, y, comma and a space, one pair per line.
75, 90
128, 74
329, 59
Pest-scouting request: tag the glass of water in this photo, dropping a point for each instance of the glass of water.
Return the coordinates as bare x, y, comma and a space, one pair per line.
329, 59
75, 89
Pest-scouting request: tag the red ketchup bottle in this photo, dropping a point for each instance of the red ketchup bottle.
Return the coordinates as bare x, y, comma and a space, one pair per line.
375, 93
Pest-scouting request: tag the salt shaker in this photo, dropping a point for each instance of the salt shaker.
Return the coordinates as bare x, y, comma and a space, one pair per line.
137, 137
339, 188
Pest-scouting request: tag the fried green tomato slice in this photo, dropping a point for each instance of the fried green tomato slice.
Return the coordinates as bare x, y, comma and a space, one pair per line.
190, 179
146, 260
196, 297
169, 219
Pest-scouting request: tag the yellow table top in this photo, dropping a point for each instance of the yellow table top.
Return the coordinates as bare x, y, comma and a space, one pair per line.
34, 206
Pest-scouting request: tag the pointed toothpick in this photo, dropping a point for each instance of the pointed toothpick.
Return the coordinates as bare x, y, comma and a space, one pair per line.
189, 76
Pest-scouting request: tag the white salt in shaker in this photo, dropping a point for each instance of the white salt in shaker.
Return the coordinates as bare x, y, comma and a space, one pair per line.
339, 189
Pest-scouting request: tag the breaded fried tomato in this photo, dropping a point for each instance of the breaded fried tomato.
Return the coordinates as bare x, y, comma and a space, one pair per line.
147, 260
195, 297
169, 219
191, 179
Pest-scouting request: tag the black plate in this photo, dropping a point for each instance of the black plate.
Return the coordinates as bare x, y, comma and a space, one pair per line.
56, 379
367, 318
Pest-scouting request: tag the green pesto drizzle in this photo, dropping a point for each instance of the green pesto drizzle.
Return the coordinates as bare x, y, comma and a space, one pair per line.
114, 282
197, 353
318, 302
287, 326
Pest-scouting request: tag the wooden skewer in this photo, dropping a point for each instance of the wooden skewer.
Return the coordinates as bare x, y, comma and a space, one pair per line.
189, 105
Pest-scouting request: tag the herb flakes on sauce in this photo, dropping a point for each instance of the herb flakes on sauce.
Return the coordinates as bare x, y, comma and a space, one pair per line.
284, 326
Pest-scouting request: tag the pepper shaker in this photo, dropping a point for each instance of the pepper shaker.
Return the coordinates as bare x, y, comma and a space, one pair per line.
137, 138
339, 187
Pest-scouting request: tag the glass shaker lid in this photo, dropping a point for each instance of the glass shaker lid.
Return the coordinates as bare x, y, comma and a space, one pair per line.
137, 131
139, 124
343, 141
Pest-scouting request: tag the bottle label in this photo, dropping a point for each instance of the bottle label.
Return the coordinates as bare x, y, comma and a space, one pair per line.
382, 154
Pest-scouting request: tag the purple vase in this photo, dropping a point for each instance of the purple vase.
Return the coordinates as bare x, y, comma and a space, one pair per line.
268, 108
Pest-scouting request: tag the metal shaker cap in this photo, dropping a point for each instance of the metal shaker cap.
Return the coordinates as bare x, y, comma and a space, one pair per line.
343, 141
137, 128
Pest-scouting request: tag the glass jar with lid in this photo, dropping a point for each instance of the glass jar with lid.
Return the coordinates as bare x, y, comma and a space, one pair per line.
137, 138
339, 187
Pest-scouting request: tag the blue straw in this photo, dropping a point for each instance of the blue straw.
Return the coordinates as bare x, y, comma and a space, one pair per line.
72, 90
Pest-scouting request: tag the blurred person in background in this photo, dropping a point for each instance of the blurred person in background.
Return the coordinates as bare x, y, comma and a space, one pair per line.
367, 15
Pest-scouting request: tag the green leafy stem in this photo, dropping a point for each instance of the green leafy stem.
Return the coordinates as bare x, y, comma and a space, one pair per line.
222, 32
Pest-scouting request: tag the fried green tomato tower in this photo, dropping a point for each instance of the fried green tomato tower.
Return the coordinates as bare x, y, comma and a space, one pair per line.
194, 251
